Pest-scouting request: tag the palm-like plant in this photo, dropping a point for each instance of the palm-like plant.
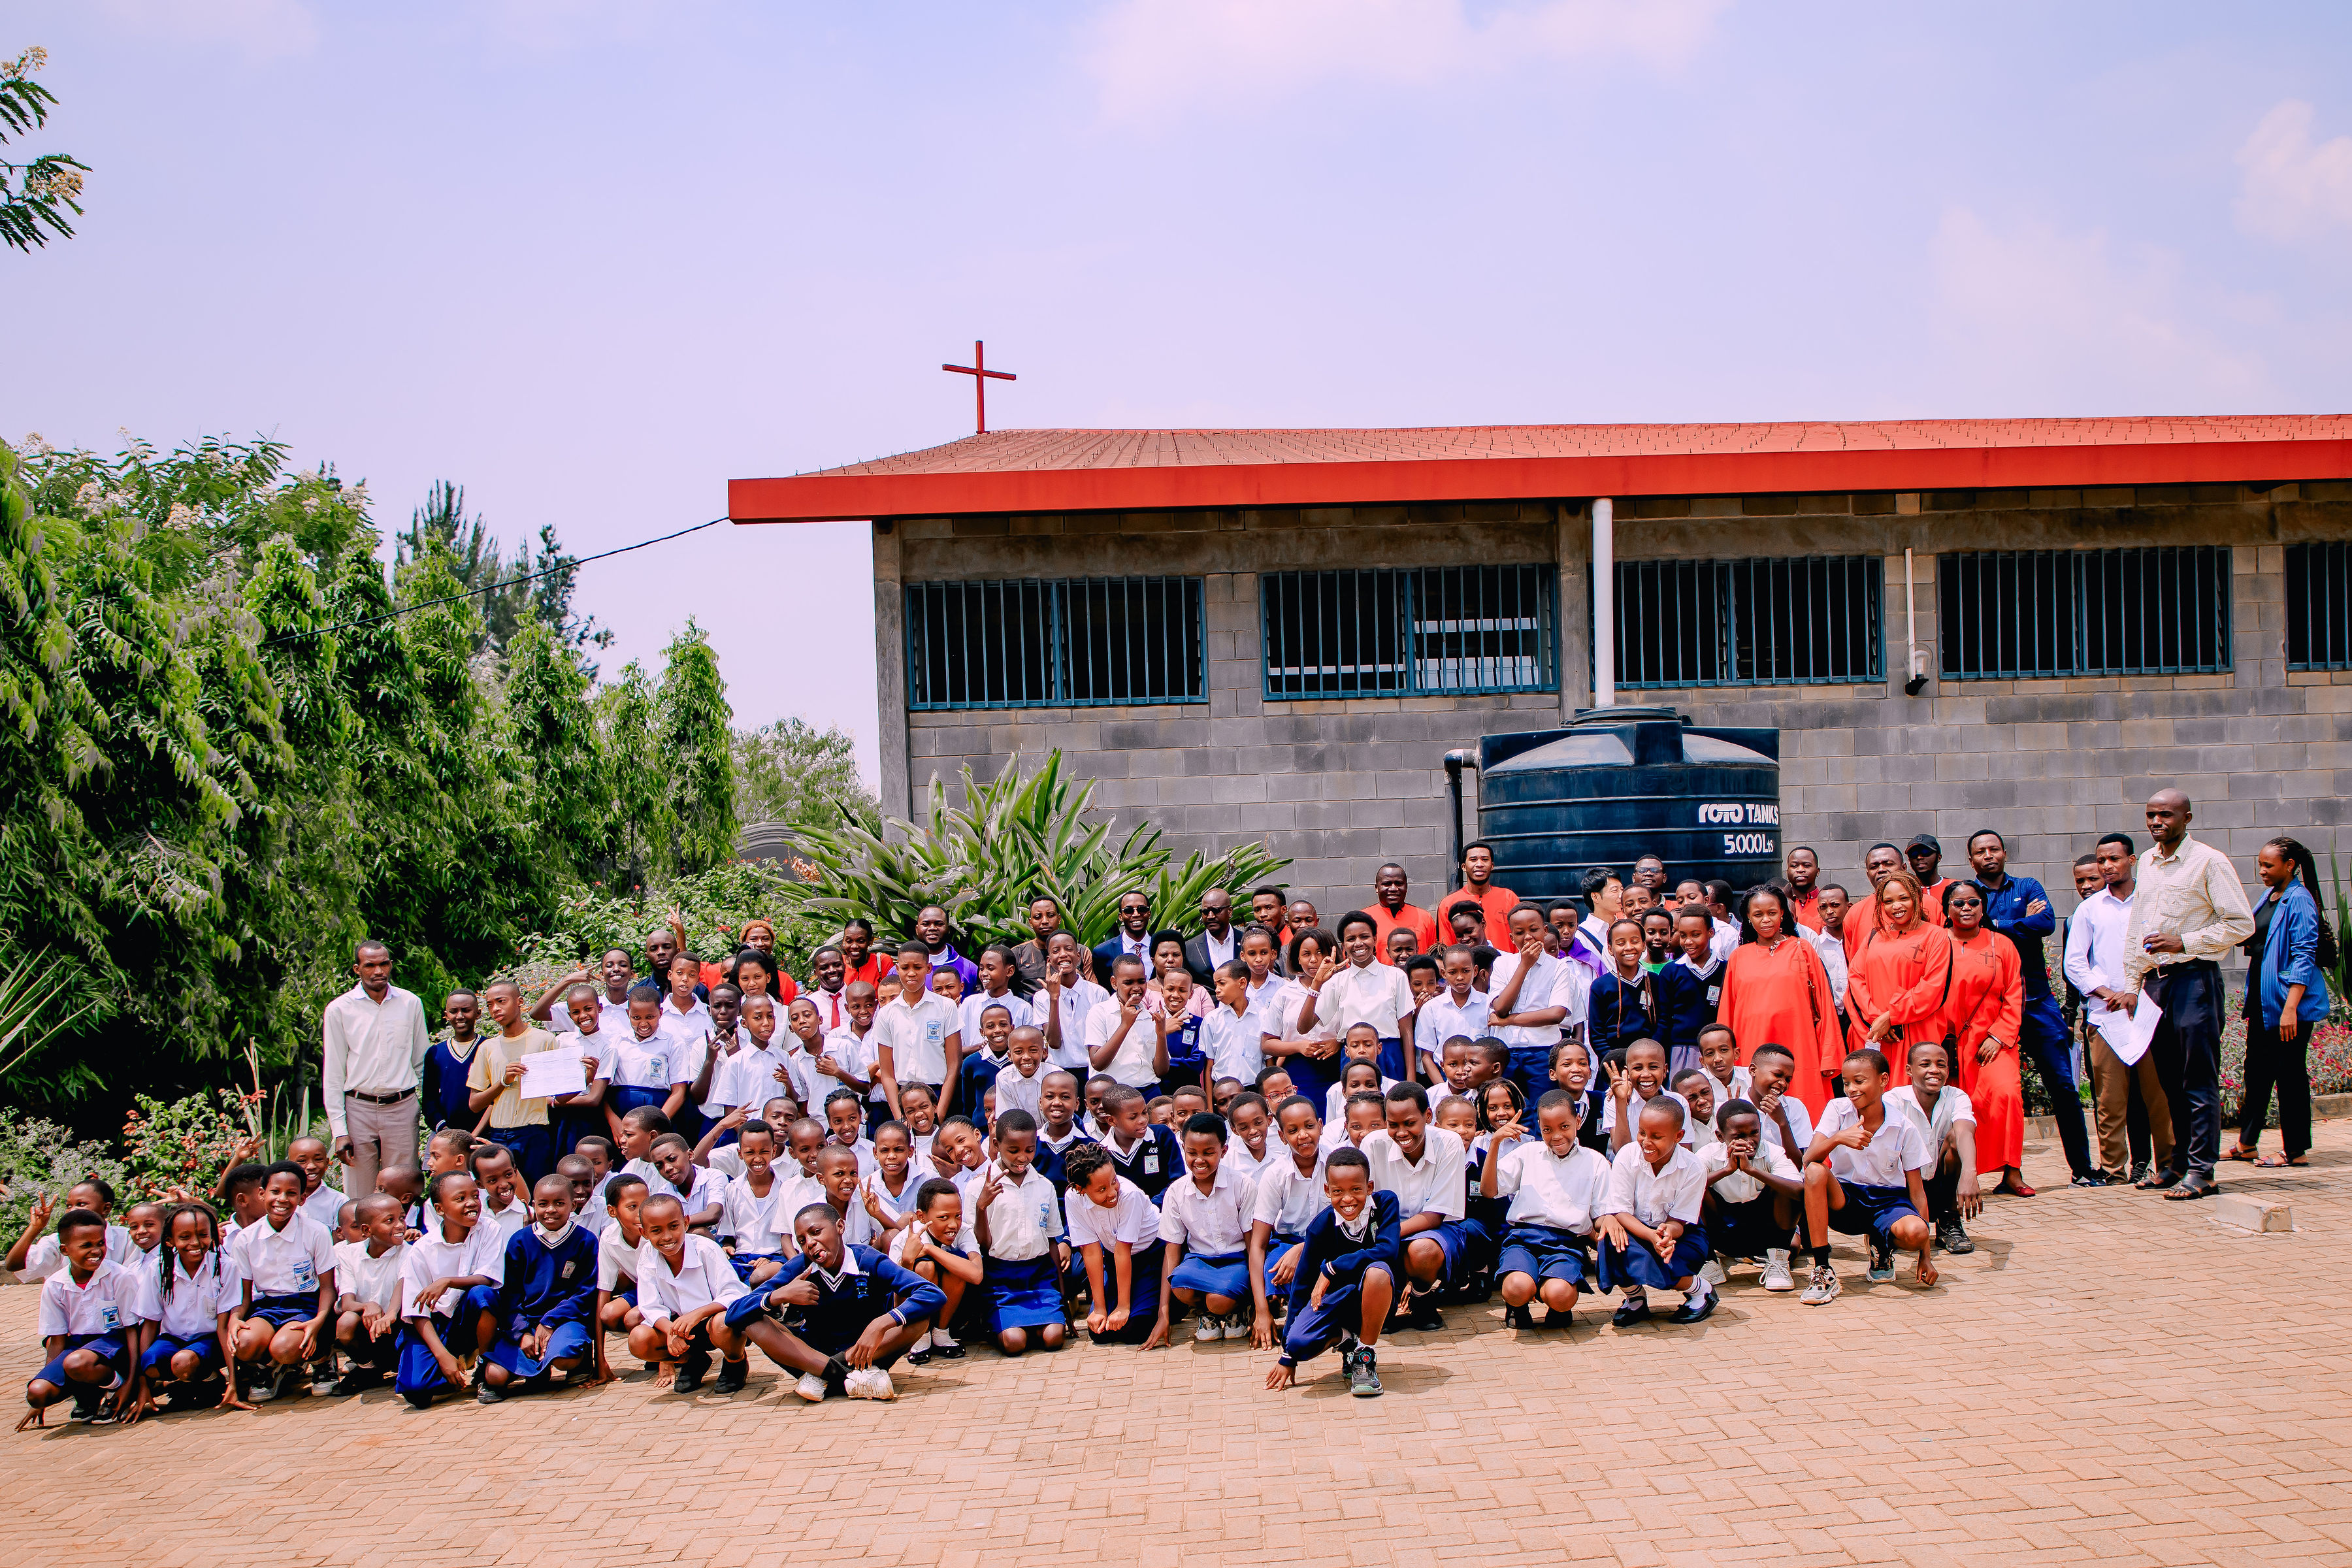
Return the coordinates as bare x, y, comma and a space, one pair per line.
1013, 839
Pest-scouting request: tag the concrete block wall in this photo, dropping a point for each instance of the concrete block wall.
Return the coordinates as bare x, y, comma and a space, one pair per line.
1340, 786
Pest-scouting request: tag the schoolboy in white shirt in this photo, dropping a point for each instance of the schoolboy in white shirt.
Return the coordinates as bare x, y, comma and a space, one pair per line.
1063, 1002
1554, 1185
1754, 1195
287, 1263
1862, 1178
89, 1315
367, 1282
685, 1284
1650, 1229
1021, 1084
1718, 1058
1458, 1010
1233, 1036
1946, 1120
1426, 1167
1289, 1195
1788, 1124
917, 1034
1204, 1227
1127, 1032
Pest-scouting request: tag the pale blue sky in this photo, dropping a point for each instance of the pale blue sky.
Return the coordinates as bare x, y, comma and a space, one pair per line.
592, 260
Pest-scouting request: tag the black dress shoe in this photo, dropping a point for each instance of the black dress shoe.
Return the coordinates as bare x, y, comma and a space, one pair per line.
1694, 1311
2090, 1179
1518, 1318
2139, 1172
1630, 1313
2196, 1184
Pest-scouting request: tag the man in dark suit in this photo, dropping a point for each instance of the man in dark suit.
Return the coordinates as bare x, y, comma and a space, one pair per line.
1219, 942
1133, 936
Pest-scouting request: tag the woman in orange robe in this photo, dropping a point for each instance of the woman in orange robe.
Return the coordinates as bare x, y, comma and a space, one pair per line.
1895, 987
1775, 991
1868, 915
1982, 1021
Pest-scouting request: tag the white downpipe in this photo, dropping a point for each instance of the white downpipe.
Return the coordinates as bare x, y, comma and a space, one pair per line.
1604, 602
1916, 673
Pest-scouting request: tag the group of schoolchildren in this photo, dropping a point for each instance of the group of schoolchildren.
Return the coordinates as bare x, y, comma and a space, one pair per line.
918, 1149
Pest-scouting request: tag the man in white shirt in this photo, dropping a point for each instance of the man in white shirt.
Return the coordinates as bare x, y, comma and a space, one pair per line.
374, 1040
2133, 1120
1424, 1166
2189, 909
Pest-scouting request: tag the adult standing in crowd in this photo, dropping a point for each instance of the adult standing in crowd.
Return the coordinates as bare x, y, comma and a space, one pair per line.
2127, 1098
1775, 992
2019, 908
1390, 912
1029, 958
1926, 855
2287, 992
2190, 910
931, 930
1802, 870
1131, 940
1219, 942
1983, 1009
1895, 990
1479, 887
374, 1040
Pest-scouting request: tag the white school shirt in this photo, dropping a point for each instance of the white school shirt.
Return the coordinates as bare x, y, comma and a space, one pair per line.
1131, 1063
2094, 947
832, 1007
854, 1054
1287, 1200
286, 1262
505, 1221
1653, 1196
1741, 1187
1689, 1140
1376, 994
1831, 949
1334, 1100
326, 1207
895, 1207
690, 1035
1214, 1224
376, 1280
616, 1261
968, 1010
917, 1034
1546, 1190
1952, 1107
757, 1224
1076, 1002
1241, 1161
1740, 1087
748, 1076
197, 1301
707, 1188
47, 1254
1234, 1043
1724, 938
1283, 1010
1132, 1220
1024, 1221
864, 1149
645, 1171
1433, 1185
1897, 1147
1015, 1092
801, 1080
631, 1063
1554, 984
704, 1276
1441, 1019
108, 1304
433, 1256
1801, 1122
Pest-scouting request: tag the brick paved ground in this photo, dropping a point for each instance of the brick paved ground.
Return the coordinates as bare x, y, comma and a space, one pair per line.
2109, 1378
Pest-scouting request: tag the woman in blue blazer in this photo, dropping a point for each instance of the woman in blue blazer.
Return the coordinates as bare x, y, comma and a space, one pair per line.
2287, 994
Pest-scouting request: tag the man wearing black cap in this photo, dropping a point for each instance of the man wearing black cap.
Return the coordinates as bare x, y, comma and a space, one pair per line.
1925, 855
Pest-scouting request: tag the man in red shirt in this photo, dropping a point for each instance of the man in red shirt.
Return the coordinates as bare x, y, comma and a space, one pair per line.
1478, 887
1390, 912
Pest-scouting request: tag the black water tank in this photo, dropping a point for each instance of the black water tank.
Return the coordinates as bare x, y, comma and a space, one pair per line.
1621, 782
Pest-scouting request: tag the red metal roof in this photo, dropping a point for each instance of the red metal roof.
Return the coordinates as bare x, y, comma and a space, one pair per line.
1152, 470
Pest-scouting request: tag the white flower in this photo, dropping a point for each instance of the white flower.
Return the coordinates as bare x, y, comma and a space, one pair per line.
91, 498
183, 516
29, 62
356, 497
35, 446
61, 184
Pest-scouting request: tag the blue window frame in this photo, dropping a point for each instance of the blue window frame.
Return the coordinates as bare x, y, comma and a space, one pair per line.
1406, 632
1808, 620
2163, 610
1078, 642
2319, 607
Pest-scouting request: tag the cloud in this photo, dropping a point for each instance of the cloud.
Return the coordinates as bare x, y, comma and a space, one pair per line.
2287, 186
1154, 55
2035, 320
264, 29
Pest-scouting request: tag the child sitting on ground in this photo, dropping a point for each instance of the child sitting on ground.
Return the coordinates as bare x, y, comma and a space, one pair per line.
616, 1265
1349, 1269
1554, 1185
1862, 1178
367, 1279
838, 1314
1947, 1118
1649, 1228
549, 1300
449, 1291
89, 1317
186, 1298
683, 1292
1115, 1230
1018, 1223
1754, 1195
1204, 1227
940, 1246
287, 1260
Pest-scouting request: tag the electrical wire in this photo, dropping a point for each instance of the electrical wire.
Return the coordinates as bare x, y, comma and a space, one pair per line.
569, 563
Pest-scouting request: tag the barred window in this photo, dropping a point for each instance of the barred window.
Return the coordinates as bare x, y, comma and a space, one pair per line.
2319, 607
2157, 610
1749, 623
1078, 642
1410, 631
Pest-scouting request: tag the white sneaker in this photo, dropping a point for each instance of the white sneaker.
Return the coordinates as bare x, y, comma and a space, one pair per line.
1711, 1271
1207, 1328
869, 1382
1237, 1326
811, 1387
1775, 1270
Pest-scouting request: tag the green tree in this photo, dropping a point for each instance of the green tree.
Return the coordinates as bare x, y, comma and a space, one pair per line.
533, 589
567, 807
693, 731
791, 772
632, 762
34, 196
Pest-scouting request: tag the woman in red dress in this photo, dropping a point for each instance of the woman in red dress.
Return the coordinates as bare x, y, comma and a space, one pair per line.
1895, 987
1775, 991
1981, 1020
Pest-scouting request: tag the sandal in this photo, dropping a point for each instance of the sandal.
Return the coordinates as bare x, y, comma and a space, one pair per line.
2241, 1153
2280, 1161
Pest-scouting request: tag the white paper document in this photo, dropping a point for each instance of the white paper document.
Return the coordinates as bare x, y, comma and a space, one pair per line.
547, 1074
2128, 1034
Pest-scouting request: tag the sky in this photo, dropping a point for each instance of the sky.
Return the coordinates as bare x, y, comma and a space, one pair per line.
591, 259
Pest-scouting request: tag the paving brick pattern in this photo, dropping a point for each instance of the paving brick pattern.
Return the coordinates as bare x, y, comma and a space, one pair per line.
2109, 1379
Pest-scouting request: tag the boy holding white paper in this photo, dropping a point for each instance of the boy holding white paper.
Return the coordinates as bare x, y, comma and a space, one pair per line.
494, 1083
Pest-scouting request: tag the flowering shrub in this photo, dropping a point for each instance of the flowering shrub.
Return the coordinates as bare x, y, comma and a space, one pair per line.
715, 905
2330, 1057
185, 1143
38, 1156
